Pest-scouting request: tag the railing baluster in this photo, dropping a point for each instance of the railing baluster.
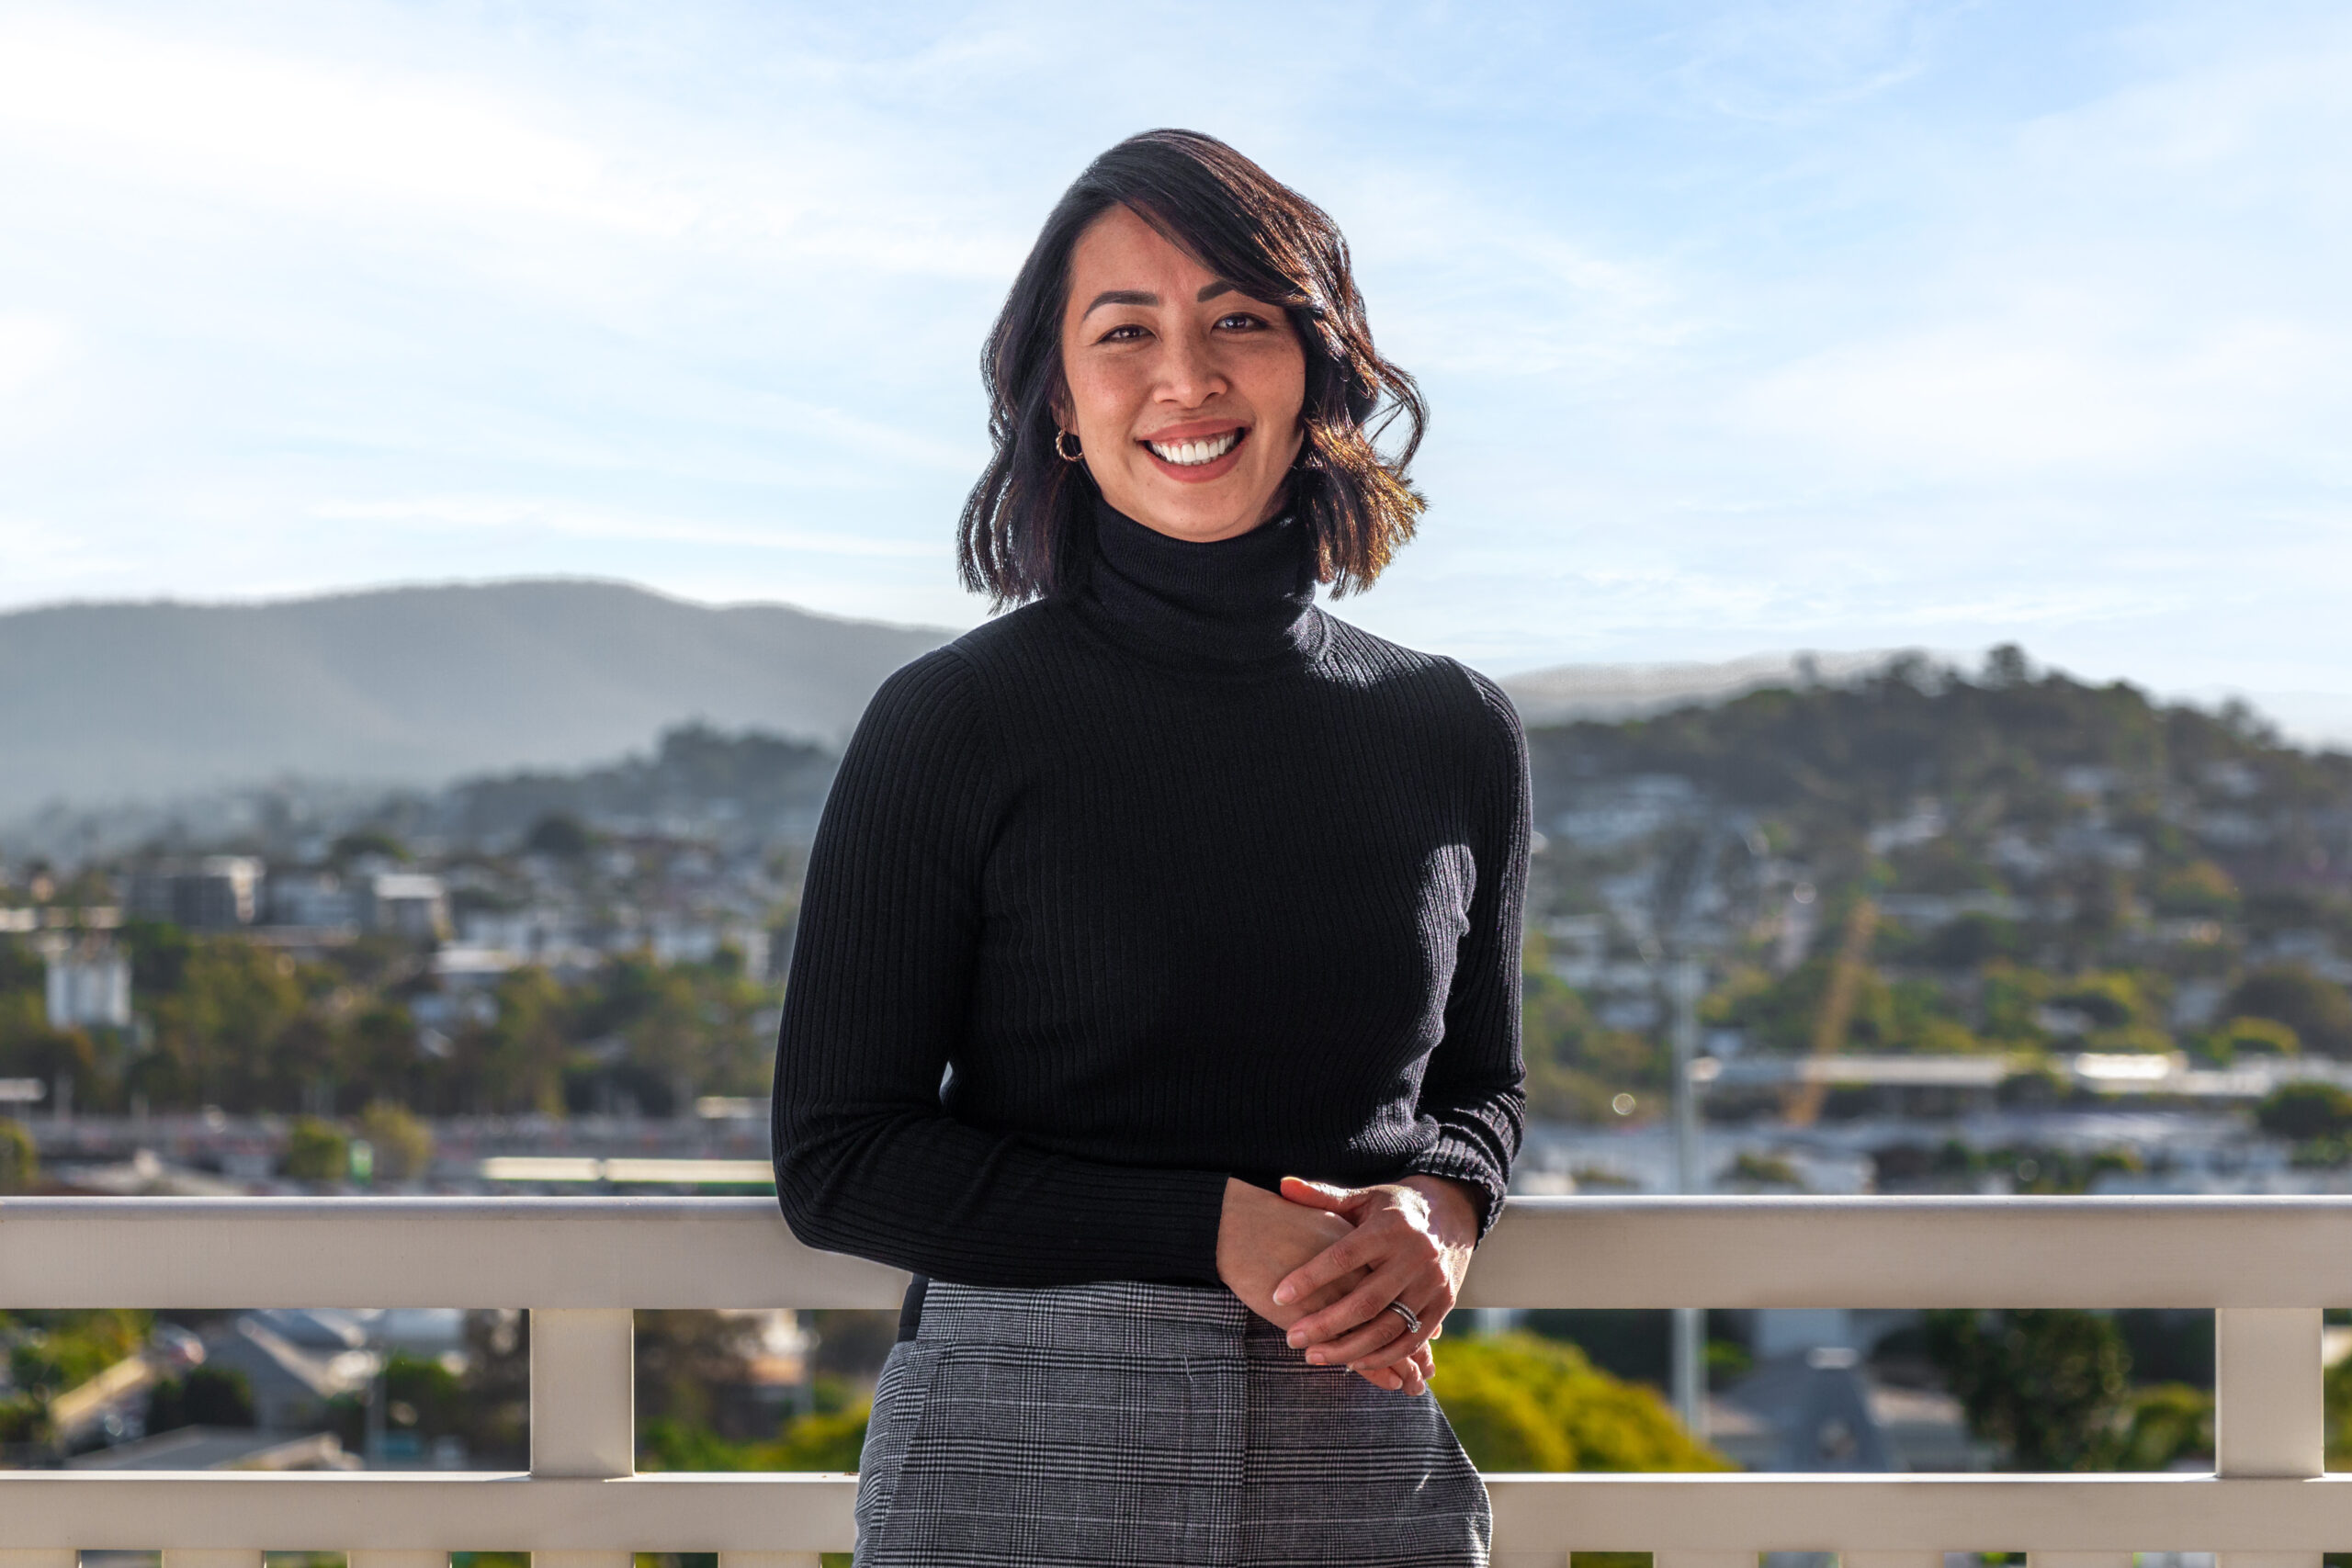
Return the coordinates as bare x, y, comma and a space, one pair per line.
210, 1558
763, 1559
2078, 1560
1671, 1559
1921, 1560
584, 1407
368, 1558
2270, 1414
49, 1557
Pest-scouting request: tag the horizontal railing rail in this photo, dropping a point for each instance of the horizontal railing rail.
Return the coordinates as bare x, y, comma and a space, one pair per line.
581, 1265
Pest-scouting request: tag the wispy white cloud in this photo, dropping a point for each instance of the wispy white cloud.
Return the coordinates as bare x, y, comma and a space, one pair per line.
2051, 388
283, 129
30, 346
47, 560
565, 519
1746, 321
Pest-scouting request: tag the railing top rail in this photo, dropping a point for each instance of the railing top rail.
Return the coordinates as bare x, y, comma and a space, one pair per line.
2201, 1251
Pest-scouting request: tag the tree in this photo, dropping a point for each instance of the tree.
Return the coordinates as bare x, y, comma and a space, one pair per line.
559, 836
519, 1057
2048, 1385
208, 1396
2169, 1422
366, 842
2317, 1010
218, 1029
498, 1387
2007, 667
2267, 1035
24, 1421
683, 1355
2305, 1111
1575, 1066
30, 1048
2198, 889
403, 1144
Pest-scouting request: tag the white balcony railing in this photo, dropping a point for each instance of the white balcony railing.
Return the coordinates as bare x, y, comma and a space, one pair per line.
581, 1265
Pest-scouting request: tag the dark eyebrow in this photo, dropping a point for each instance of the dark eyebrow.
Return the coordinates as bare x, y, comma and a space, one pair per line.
1212, 291
1122, 296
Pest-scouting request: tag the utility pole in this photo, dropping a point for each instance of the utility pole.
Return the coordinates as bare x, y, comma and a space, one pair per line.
1684, 983
1682, 886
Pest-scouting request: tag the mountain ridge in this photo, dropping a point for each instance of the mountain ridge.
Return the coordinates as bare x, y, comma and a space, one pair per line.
413, 685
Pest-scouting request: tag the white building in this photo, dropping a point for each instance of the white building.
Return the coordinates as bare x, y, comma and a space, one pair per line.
88, 988
697, 941
217, 893
407, 903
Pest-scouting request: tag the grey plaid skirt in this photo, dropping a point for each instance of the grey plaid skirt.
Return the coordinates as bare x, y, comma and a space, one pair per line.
1138, 1426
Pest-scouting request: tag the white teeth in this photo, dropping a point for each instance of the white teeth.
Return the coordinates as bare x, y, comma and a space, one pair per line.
1192, 454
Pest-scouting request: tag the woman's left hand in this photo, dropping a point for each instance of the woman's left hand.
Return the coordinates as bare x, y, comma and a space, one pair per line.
1415, 1237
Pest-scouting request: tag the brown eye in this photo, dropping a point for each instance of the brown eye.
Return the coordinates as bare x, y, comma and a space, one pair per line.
1240, 320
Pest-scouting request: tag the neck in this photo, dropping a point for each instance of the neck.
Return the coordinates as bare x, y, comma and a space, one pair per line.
1234, 602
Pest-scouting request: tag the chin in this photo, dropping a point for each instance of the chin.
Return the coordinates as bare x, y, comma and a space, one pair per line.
1187, 514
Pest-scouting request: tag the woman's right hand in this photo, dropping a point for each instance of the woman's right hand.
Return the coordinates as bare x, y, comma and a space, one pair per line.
1262, 1236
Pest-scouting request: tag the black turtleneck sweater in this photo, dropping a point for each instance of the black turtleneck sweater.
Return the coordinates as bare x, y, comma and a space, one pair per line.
1174, 878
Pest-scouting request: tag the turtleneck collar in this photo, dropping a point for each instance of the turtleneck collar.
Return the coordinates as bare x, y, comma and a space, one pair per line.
1237, 603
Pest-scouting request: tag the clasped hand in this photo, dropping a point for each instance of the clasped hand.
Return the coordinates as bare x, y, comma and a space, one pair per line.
1324, 1262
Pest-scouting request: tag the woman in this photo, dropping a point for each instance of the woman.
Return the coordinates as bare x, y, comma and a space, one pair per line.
1155, 996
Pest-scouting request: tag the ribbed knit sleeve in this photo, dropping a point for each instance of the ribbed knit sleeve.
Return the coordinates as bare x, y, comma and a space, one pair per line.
866, 1160
1474, 1087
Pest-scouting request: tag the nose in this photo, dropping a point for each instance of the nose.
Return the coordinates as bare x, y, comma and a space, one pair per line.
1188, 376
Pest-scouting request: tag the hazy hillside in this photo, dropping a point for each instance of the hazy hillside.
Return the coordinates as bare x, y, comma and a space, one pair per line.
110, 702
1566, 692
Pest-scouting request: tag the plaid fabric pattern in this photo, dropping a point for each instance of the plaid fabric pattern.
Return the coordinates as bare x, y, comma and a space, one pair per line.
1141, 1426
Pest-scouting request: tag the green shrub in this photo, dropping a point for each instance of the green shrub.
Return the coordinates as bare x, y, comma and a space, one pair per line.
824, 1440
19, 1159
2168, 1421
2305, 1111
2266, 1036
1520, 1402
403, 1144
316, 1151
24, 1421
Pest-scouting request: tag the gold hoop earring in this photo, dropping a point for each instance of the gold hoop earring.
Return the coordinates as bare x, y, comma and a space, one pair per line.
1060, 436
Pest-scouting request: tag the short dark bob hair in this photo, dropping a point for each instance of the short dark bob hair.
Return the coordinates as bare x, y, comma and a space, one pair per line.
1026, 524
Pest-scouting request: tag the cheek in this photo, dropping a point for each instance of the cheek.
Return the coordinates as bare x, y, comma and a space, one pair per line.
1279, 388
1101, 397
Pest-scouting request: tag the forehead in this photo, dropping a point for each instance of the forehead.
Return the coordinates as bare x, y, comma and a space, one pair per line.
1119, 250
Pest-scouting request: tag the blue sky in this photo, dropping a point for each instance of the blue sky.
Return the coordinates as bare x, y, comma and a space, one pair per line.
1747, 327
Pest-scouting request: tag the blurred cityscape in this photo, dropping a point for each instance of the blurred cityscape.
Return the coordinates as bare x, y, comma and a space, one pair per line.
1903, 927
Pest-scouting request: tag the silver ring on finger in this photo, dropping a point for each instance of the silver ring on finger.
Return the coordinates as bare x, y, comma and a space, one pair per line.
1412, 1320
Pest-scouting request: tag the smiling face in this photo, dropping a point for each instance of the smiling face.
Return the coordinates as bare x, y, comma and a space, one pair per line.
1183, 392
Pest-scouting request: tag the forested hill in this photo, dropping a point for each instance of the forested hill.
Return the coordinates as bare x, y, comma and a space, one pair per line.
2004, 746
2004, 862
698, 780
